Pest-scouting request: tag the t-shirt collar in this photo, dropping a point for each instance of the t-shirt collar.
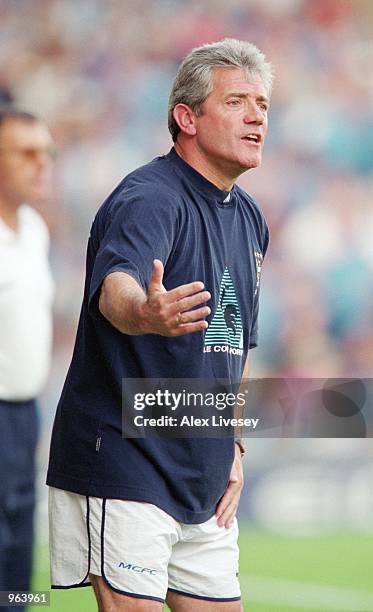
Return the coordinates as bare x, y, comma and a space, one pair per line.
199, 181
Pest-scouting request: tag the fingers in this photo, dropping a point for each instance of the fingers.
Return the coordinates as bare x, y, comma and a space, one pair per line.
189, 302
227, 508
184, 290
174, 312
156, 280
193, 315
227, 517
189, 328
231, 492
189, 295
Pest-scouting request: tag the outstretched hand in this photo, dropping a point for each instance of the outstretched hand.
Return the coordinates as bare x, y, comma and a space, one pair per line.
173, 313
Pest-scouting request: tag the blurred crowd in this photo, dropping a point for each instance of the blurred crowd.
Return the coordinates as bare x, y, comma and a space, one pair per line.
99, 72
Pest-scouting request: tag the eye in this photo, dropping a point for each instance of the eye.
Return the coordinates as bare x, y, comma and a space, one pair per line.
234, 102
263, 106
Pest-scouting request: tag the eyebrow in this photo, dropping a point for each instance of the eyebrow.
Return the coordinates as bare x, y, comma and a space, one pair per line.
244, 95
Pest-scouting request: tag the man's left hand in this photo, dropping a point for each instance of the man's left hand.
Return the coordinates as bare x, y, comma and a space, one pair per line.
227, 508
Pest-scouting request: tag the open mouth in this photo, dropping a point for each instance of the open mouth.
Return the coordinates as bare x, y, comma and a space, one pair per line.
254, 138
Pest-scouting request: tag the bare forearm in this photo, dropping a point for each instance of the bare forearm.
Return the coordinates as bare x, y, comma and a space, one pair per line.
120, 303
240, 410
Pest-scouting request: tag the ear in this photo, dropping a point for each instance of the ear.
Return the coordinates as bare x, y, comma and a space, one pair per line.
185, 119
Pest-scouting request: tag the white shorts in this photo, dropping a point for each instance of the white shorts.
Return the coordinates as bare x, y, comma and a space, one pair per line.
139, 549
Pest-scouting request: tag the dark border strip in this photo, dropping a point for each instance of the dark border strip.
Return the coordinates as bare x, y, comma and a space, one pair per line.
203, 598
135, 595
88, 517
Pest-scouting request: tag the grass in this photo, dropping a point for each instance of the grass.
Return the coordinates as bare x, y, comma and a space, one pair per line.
343, 562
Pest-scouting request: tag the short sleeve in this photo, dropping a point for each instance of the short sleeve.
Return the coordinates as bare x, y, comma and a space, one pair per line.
265, 241
253, 340
142, 228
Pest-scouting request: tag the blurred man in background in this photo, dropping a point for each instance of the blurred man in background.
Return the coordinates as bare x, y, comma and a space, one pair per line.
26, 290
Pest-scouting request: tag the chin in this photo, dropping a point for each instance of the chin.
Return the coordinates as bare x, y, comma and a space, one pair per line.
247, 163
254, 164
250, 164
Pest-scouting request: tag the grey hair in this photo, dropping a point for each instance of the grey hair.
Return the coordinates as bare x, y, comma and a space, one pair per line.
193, 81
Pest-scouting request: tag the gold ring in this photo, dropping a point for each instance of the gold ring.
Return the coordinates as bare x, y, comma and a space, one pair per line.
179, 319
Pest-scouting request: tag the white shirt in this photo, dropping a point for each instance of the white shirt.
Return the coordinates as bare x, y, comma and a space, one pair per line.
26, 293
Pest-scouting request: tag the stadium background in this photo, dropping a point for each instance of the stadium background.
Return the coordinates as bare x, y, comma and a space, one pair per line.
99, 72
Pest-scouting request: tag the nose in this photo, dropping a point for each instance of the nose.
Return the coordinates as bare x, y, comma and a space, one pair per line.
42, 167
43, 159
254, 114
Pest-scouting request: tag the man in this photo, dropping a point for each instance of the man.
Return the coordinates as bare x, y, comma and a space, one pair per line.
171, 292
26, 290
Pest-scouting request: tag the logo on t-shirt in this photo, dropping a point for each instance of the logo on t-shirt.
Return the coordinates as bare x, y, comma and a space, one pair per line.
225, 332
258, 263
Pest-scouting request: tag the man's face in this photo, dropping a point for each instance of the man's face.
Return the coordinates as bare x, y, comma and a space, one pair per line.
233, 124
25, 161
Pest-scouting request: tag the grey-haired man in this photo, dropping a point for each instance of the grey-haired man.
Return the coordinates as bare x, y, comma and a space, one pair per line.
171, 292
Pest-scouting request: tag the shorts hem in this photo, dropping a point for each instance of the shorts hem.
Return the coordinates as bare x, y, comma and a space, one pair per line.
205, 597
135, 595
70, 586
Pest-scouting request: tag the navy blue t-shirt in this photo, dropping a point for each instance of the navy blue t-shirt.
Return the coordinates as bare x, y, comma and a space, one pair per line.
164, 210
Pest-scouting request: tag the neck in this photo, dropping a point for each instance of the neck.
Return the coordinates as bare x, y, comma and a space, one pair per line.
198, 161
8, 213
